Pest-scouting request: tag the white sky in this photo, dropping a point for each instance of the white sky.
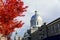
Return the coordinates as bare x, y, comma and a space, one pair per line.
49, 10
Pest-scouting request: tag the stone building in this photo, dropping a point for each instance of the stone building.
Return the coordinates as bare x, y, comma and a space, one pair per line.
2, 38
43, 31
35, 22
17, 37
27, 36
53, 30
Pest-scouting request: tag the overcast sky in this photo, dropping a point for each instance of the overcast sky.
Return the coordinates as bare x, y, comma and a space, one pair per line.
49, 10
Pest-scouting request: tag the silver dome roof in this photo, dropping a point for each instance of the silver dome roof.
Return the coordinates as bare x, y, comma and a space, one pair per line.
35, 16
36, 20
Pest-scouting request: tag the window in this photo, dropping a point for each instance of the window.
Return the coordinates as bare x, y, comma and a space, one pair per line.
58, 26
52, 27
37, 23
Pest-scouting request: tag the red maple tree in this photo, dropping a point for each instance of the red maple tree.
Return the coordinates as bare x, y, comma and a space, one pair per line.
10, 9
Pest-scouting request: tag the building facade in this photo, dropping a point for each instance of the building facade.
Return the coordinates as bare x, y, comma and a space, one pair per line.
43, 31
35, 22
17, 37
53, 30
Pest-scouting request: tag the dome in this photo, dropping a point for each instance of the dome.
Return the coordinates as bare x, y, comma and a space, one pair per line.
36, 20
35, 17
